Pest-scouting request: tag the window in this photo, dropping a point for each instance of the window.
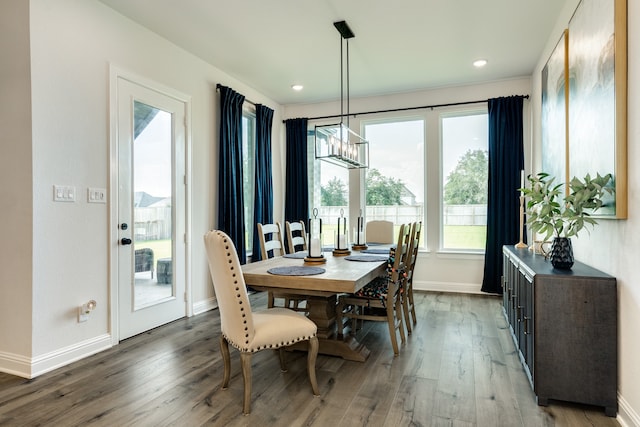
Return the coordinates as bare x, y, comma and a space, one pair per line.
331, 197
464, 168
396, 175
248, 174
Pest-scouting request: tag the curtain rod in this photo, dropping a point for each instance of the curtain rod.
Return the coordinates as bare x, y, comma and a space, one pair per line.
218, 86
393, 110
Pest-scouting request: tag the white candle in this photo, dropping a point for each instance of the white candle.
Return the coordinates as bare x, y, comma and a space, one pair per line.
314, 248
342, 242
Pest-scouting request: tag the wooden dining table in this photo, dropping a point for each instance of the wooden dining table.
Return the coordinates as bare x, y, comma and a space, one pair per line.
321, 292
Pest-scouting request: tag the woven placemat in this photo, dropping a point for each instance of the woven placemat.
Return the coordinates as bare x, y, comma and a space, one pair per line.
299, 270
366, 258
375, 251
297, 255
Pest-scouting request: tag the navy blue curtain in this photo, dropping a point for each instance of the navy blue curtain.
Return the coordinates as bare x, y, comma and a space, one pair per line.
230, 199
263, 201
506, 160
296, 203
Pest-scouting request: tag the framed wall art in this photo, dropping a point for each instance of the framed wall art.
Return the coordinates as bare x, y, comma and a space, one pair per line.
554, 113
597, 98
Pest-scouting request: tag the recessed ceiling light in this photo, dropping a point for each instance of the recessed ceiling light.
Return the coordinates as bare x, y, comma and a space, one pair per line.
480, 63
297, 87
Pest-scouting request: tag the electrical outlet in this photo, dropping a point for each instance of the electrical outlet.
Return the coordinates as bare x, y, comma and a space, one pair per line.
83, 314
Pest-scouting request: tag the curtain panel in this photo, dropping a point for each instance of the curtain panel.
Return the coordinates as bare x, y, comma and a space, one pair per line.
230, 194
506, 161
263, 200
296, 205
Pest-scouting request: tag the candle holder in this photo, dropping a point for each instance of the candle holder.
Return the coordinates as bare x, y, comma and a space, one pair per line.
341, 245
314, 246
359, 241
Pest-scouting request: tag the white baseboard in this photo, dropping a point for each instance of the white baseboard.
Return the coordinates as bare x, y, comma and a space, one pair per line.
627, 417
462, 288
204, 306
27, 367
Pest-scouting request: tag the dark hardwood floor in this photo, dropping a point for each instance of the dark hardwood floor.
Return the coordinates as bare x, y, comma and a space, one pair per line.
458, 368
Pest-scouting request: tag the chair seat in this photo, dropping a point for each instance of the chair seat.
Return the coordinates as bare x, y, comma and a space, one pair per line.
377, 289
278, 327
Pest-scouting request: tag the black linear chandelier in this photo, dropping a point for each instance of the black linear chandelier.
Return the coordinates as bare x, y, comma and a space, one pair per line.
337, 143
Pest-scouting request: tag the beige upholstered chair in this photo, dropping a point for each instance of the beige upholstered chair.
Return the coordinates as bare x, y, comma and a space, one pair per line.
249, 331
296, 236
408, 306
271, 242
381, 300
379, 232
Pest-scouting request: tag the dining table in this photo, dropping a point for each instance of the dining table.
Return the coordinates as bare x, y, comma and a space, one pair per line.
321, 282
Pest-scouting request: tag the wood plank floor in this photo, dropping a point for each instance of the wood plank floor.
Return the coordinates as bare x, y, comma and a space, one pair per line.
458, 368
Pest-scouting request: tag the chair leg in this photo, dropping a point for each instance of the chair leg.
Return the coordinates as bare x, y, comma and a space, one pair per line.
283, 363
245, 358
405, 310
270, 299
311, 365
399, 315
391, 321
412, 306
224, 349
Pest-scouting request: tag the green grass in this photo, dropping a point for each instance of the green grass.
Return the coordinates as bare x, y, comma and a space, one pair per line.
465, 236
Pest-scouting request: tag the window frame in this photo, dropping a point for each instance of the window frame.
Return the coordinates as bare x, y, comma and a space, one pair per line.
249, 174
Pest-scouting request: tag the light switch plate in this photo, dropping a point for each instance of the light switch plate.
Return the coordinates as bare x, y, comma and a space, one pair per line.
64, 193
96, 195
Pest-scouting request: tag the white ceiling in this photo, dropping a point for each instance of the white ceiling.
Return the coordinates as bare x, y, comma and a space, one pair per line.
399, 46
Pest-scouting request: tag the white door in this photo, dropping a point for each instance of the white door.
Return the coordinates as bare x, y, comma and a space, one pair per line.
151, 208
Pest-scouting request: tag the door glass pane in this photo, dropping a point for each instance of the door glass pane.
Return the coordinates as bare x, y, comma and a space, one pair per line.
152, 201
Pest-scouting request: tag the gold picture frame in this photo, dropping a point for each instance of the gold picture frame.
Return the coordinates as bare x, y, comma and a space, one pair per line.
597, 97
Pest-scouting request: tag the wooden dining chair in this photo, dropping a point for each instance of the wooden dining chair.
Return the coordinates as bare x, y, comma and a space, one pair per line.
379, 232
296, 236
272, 244
408, 306
381, 300
249, 331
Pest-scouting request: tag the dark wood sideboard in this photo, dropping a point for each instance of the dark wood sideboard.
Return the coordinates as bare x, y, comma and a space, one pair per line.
564, 326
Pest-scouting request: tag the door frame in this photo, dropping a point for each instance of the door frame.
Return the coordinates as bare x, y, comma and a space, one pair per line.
116, 73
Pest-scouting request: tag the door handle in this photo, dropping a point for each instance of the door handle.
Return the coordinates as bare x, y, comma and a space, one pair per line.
125, 241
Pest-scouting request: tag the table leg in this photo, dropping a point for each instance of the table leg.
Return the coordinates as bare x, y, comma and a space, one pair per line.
322, 310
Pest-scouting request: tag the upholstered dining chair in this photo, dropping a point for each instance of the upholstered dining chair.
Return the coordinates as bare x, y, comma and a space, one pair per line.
380, 300
296, 236
272, 244
408, 307
379, 232
249, 331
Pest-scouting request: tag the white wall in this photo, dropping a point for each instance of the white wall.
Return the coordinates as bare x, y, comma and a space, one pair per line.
610, 247
15, 192
434, 271
73, 43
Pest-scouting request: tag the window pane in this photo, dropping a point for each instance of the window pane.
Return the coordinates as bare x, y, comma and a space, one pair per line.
333, 197
248, 175
464, 181
395, 178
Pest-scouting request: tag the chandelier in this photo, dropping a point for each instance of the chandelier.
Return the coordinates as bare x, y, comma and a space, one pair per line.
337, 143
